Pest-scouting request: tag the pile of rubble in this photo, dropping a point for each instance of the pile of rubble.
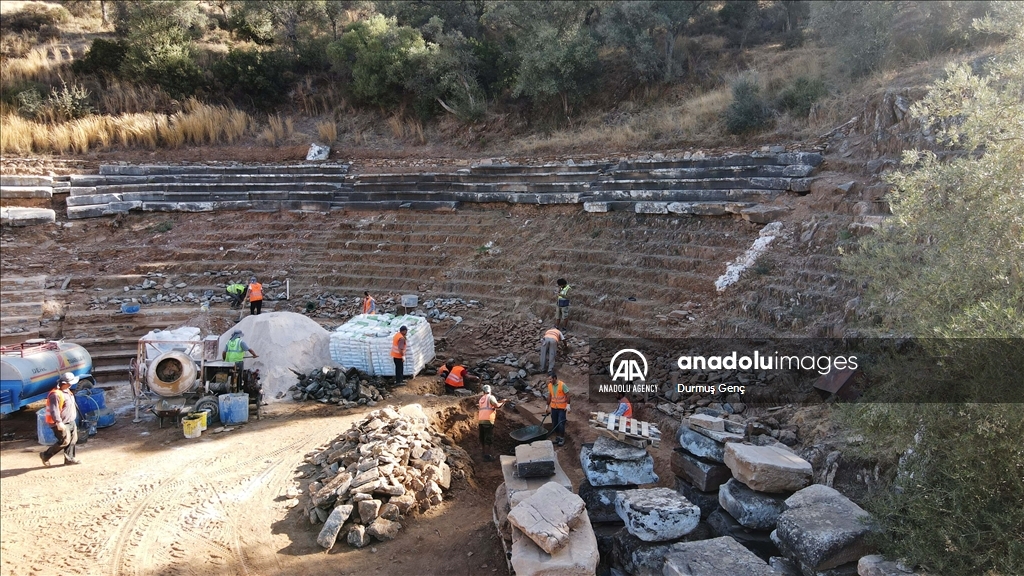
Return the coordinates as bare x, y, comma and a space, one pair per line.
545, 529
159, 288
340, 307
390, 463
346, 388
510, 334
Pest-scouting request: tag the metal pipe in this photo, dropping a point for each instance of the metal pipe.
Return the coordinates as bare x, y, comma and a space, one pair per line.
287, 289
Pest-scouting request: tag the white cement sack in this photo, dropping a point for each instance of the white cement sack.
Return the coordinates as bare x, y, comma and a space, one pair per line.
283, 341
364, 342
185, 339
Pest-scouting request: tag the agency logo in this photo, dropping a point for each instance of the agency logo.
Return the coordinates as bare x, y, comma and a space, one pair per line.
625, 365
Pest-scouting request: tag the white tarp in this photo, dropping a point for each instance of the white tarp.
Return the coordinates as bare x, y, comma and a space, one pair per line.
364, 342
186, 339
284, 341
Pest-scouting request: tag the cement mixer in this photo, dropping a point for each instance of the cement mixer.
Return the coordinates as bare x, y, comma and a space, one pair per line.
172, 377
28, 371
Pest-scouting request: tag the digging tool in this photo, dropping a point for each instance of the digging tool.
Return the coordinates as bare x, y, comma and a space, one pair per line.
531, 433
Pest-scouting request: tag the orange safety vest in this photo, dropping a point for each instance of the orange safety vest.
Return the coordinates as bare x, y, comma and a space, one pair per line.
554, 333
559, 399
60, 405
454, 378
368, 304
629, 408
255, 292
486, 412
396, 350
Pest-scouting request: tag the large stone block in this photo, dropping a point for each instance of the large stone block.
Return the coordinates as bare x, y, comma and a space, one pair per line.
605, 471
600, 500
651, 207
707, 422
706, 501
595, 207
383, 529
705, 475
822, 529
657, 514
548, 515
757, 541
875, 565
519, 489
535, 460
715, 557
579, 557
700, 445
605, 447
767, 468
368, 510
17, 216
752, 509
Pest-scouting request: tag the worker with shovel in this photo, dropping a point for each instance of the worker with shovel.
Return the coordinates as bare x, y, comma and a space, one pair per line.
558, 405
487, 412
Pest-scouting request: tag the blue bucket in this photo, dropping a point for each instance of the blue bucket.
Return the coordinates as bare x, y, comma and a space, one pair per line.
43, 431
130, 308
86, 399
105, 418
234, 408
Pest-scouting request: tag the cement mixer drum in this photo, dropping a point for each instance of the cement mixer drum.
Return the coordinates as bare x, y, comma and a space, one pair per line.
172, 374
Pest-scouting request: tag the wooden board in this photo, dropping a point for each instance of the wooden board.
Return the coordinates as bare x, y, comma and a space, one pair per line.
628, 430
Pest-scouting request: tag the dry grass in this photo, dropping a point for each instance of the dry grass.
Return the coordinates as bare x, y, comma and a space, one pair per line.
125, 98
328, 131
198, 124
45, 64
278, 130
318, 100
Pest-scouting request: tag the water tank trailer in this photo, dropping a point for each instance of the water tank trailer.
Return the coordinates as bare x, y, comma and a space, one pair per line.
28, 371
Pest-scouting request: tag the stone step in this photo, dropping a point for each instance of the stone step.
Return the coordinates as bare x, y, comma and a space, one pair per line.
16, 180
713, 172
126, 191
10, 282
25, 192
153, 169
10, 339
94, 180
478, 177
29, 309
24, 216
753, 183
710, 195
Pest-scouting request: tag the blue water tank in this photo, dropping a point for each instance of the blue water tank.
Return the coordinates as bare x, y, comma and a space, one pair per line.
234, 408
28, 371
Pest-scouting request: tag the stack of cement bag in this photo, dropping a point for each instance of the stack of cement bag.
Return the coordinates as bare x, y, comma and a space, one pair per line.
364, 343
544, 527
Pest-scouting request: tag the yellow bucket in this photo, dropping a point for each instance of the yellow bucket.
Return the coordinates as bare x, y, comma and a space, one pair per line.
202, 415
192, 426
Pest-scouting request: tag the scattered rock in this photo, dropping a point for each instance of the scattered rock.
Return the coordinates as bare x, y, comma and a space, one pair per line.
656, 514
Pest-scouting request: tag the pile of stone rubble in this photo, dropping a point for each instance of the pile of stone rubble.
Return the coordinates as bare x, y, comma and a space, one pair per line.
346, 388
159, 288
387, 465
329, 305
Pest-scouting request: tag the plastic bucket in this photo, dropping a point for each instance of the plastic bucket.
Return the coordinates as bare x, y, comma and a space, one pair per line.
43, 431
191, 425
410, 300
234, 408
95, 395
201, 415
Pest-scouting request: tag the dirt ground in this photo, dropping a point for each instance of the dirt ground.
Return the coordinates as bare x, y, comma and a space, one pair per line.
148, 501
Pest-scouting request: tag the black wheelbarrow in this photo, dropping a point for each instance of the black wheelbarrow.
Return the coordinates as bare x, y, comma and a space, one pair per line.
531, 433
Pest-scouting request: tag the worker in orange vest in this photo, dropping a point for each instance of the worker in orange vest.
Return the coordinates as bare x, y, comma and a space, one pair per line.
255, 297
558, 406
369, 304
625, 407
549, 344
398, 353
455, 377
62, 416
486, 413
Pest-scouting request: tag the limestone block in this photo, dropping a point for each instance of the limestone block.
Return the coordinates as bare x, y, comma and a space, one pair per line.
604, 471
595, 207
17, 216
705, 475
651, 207
365, 476
92, 199
535, 460
875, 565
822, 529
797, 171
329, 533
383, 529
579, 557
754, 510
605, 447
767, 468
440, 473
318, 152
700, 445
801, 184
714, 557
707, 422
763, 214
638, 557
336, 486
500, 513
405, 502
390, 511
521, 488
357, 536
657, 514
547, 516
368, 510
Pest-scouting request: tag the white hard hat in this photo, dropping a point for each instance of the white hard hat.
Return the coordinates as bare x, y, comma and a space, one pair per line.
487, 389
68, 377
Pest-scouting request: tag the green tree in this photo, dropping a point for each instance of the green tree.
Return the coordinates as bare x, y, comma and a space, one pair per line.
948, 266
860, 30
378, 55
444, 75
159, 38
